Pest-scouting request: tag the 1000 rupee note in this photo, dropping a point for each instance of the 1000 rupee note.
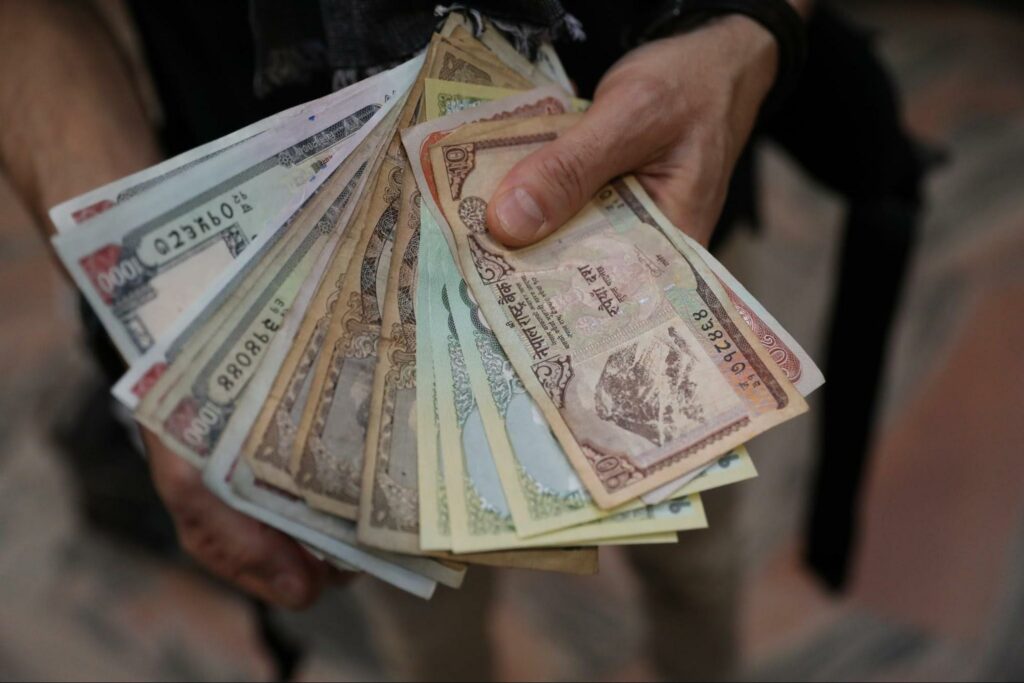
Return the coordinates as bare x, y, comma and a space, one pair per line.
84, 208
206, 314
223, 297
141, 264
621, 334
226, 295
195, 397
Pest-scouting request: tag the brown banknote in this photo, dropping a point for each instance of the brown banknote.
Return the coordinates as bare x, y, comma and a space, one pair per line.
389, 504
327, 456
269, 446
620, 332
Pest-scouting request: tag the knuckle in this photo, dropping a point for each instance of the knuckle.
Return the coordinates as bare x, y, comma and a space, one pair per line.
564, 170
644, 92
177, 481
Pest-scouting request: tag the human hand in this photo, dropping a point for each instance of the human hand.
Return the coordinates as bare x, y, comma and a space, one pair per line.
675, 112
241, 550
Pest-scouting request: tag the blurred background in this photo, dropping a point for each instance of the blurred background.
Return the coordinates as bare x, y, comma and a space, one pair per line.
937, 582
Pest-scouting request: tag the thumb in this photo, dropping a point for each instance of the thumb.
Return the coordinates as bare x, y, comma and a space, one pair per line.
547, 188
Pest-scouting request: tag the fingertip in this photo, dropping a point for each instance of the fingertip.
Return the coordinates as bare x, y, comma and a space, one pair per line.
515, 217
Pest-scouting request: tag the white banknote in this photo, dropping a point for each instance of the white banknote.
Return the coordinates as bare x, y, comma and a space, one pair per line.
142, 263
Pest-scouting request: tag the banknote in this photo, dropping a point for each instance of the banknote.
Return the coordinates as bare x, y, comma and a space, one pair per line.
327, 456
541, 489
622, 335
467, 107
83, 208
232, 480
388, 508
321, 355
388, 504
546, 68
326, 459
488, 36
785, 351
230, 287
467, 63
441, 98
444, 99
191, 402
435, 528
141, 264
269, 448
731, 468
480, 518
331, 437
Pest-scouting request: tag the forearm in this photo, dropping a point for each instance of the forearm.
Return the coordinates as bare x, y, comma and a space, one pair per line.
71, 117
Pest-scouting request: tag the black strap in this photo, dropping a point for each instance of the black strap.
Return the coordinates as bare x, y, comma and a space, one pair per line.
778, 16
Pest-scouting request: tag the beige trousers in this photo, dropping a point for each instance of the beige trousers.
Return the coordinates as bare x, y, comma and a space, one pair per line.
690, 592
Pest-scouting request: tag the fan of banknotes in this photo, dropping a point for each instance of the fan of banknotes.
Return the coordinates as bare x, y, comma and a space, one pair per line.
315, 315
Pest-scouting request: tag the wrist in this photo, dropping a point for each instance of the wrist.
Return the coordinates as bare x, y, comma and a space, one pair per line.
782, 19
754, 53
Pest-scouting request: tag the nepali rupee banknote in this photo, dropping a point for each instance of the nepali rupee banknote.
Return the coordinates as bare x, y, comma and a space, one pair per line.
620, 332
141, 264
480, 518
327, 457
80, 210
191, 402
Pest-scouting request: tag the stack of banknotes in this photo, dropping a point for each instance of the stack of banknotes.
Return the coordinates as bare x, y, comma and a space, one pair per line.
315, 314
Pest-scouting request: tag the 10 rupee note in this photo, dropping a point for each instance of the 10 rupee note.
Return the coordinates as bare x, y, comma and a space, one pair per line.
619, 331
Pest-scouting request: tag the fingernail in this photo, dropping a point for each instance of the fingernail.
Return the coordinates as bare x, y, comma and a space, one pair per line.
519, 214
289, 589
